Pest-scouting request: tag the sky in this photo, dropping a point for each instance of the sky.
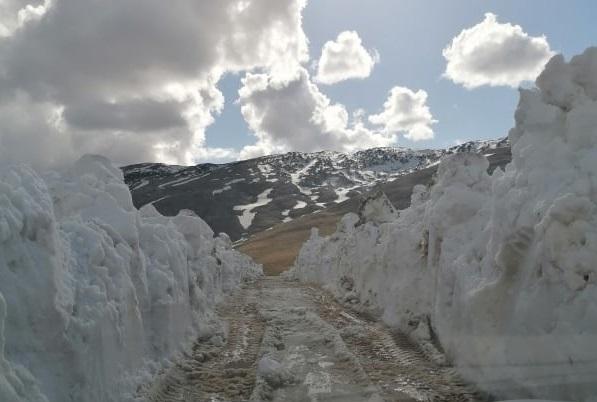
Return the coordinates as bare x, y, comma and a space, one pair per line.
189, 81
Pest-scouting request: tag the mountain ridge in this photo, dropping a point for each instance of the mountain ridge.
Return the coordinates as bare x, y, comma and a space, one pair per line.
245, 197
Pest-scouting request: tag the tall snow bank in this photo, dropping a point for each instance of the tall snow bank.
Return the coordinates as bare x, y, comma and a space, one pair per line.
96, 295
500, 269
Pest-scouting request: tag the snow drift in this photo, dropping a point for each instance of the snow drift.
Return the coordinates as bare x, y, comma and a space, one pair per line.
500, 269
95, 296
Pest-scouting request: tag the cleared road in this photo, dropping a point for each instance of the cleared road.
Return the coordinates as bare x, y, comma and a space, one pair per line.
288, 341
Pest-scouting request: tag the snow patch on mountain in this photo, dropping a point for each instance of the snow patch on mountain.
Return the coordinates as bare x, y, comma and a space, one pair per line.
300, 205
321, 179
246, 218
499, 269
227, 186
95, 295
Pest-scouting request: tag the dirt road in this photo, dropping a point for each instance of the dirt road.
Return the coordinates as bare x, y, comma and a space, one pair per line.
288, 341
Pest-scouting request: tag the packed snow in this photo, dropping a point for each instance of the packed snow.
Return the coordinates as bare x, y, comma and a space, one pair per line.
247, 216
95, 295
500, 269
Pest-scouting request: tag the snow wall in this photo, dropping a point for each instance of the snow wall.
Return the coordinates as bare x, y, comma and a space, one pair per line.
500, 269
95, 295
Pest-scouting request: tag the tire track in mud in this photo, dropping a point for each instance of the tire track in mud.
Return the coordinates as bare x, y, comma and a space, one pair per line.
391, 359
314, 363
219, 369
288, 320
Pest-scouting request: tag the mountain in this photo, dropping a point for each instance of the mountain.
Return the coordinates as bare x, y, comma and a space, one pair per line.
247, 197
278, 247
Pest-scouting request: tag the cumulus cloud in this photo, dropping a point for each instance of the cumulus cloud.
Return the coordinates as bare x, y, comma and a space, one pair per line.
345, 58
134, 80
16, 13
296, 115
406, 111
495, 54
137, 80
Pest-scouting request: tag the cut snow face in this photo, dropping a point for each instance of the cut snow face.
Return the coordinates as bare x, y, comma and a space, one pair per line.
246, 219
100, 295
500, 269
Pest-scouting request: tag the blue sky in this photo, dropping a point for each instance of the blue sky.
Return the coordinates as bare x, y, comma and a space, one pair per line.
409, 36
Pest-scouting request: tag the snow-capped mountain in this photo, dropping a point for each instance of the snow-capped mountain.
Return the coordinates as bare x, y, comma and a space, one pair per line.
246, 197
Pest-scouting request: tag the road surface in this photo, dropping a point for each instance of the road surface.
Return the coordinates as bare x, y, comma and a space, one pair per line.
289, 341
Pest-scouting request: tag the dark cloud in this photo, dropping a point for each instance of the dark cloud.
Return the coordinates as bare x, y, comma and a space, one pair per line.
138, 115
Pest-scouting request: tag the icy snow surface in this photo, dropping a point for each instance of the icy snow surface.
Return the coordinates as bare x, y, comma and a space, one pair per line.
501, 269
96, 296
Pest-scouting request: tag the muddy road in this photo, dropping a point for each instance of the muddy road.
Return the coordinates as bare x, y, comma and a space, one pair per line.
289, 341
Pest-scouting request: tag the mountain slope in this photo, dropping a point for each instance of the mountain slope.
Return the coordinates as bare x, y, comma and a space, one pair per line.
247, 197
278, 247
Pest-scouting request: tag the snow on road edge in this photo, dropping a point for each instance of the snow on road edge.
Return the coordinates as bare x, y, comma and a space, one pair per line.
500, 269
96, 296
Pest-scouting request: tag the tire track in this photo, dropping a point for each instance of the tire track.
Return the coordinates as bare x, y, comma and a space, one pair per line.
329, 353
392, 361
219, 369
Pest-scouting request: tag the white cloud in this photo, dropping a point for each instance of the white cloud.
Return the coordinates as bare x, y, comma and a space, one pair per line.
16, 13
345, 58
495, 54
407, 112
295, 115
134, 80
